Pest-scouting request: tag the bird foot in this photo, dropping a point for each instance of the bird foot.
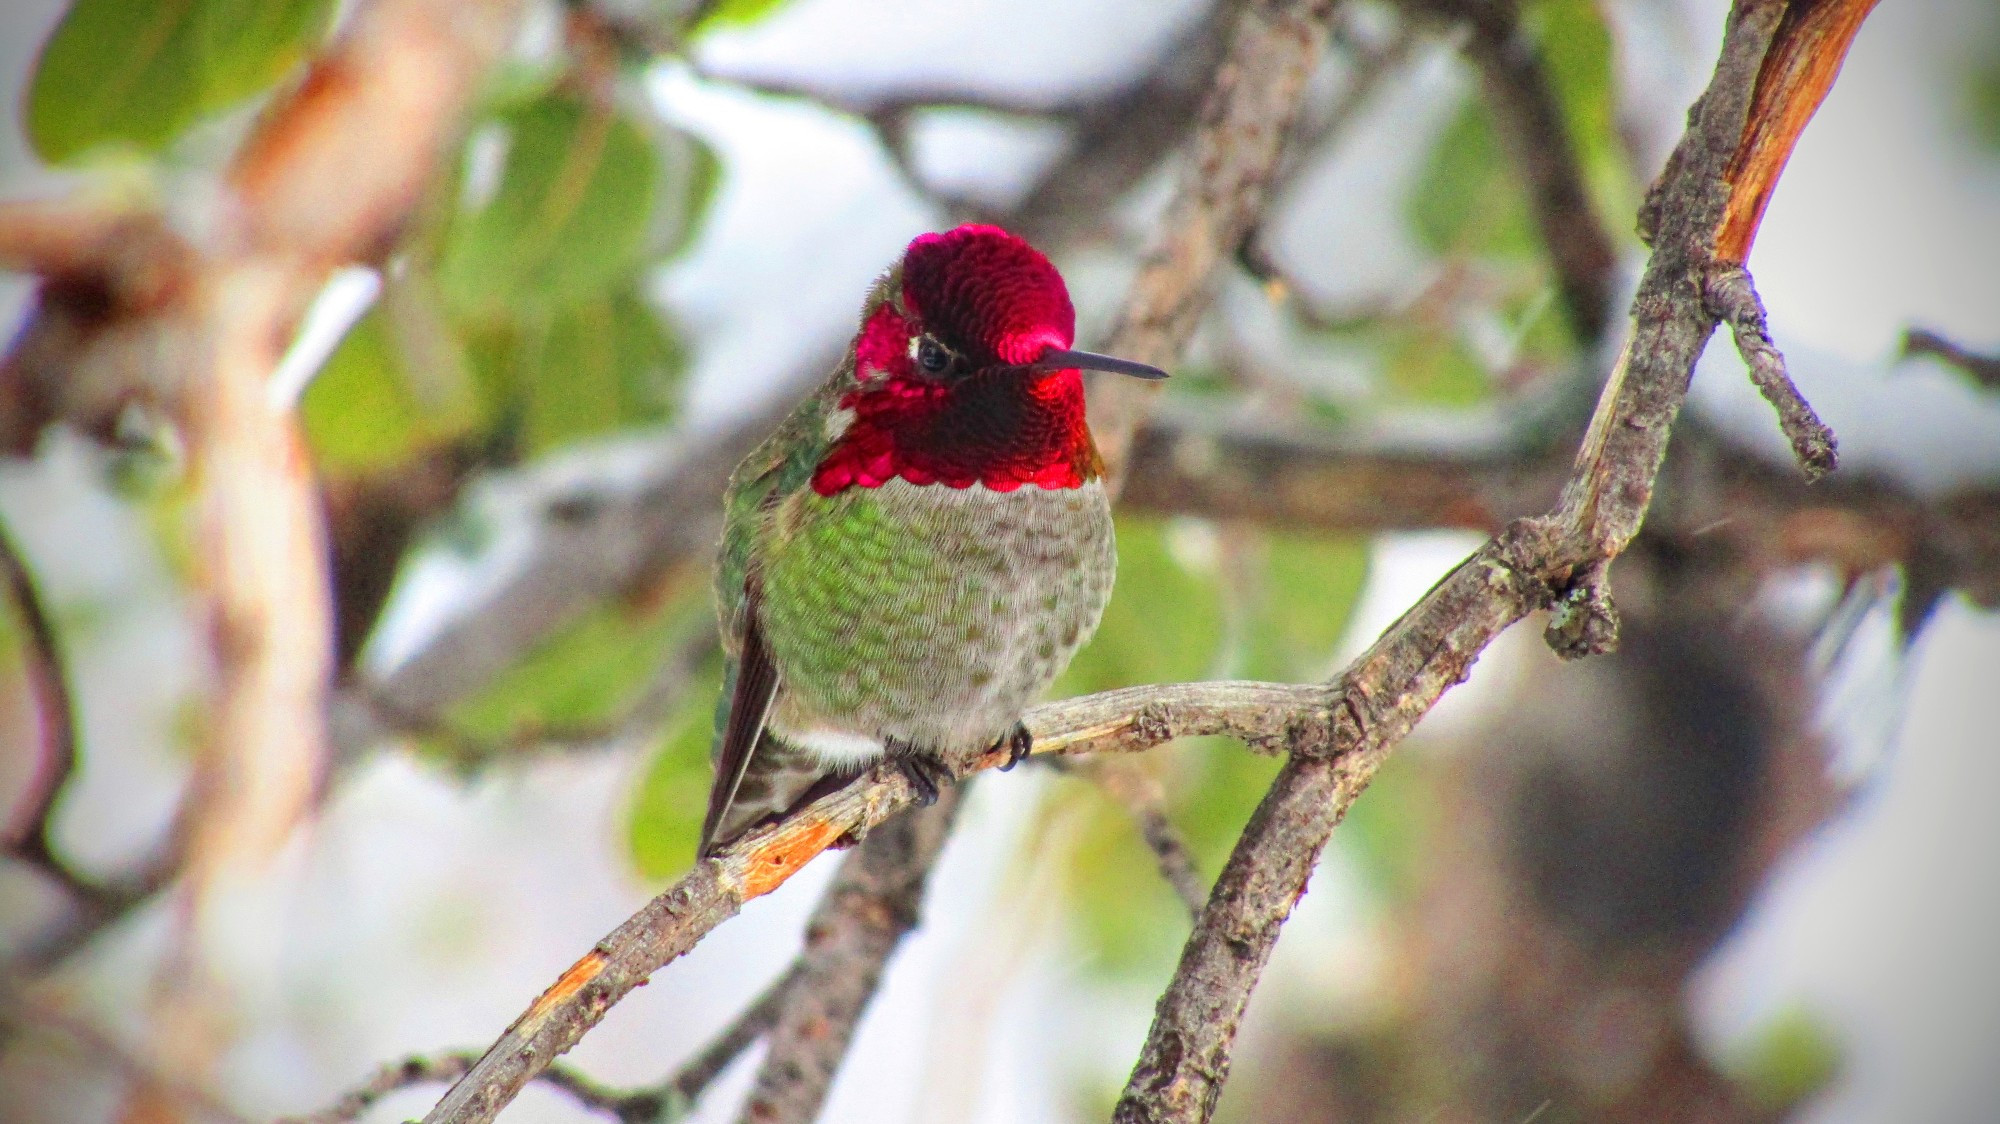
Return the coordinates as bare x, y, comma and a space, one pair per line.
1020, 742
926, 774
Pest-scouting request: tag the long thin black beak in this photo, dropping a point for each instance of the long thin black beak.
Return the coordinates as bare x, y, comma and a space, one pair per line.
1063, 360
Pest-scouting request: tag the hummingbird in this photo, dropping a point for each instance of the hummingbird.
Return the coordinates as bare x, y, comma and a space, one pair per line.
921, 546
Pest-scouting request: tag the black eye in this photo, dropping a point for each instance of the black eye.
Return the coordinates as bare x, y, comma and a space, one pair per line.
932, 356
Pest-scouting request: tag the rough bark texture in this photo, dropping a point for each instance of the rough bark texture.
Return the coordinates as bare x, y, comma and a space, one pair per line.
873, 903
1554, 561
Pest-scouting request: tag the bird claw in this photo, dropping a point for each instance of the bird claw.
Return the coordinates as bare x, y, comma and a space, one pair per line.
926, 774
1020, 742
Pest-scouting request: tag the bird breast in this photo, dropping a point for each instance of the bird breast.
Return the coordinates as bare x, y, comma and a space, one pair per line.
930, 614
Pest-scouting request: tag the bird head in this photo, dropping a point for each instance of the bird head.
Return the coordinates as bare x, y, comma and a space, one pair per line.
963, 373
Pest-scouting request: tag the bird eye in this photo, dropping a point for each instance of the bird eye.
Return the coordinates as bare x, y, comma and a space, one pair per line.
932, 356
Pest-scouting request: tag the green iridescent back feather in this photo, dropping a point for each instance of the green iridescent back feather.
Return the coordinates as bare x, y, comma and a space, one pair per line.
775, 470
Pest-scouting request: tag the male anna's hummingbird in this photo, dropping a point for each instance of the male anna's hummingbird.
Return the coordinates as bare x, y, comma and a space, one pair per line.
922, 545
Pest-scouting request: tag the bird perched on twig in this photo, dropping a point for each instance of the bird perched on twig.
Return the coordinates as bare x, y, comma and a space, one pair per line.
922, 545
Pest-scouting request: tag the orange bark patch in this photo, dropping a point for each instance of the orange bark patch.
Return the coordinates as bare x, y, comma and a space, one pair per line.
1798, 70
564, 989
786, 854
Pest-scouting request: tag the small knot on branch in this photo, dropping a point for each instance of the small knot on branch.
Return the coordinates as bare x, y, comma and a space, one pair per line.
1731, 296
1584, 622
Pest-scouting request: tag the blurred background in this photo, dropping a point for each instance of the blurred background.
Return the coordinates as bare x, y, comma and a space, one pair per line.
1745, 869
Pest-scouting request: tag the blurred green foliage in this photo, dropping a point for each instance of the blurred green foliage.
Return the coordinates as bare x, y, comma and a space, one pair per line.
1791, 1058
1469, 199
138, 72
538, 290
587, 673
667, 806
738, 13
368, 409
568, 217
1431, 363
1279, 613
1981, 95
1468, 206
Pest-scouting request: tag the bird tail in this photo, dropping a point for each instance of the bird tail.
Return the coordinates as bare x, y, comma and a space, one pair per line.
778, 780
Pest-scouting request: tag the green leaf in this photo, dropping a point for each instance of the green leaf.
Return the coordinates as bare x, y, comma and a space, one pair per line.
1582, 54
570, 218
585, 673
607, 363
1577, 49
667, 808
139, 71
368, 409
1467, 200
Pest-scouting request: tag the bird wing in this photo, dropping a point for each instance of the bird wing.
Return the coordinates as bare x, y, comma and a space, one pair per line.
774, 470
755, 684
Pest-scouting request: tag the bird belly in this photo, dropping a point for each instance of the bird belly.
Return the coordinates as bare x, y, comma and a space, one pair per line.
928, 615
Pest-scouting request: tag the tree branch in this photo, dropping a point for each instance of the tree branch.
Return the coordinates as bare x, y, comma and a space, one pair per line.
1337, 735
700, 1071
873, 902
111, 901
1531, 565
647, 1105
413, 1071
1129, 720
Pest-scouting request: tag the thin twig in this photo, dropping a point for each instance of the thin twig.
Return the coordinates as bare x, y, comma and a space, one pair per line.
113, 900
675, 921
1316, 128
665, 1101
1732, 296
29, 837
700, 1071
1984, 370
869, 105
1146, 802
874, 901
412, 1071
1249, 113
1529, 119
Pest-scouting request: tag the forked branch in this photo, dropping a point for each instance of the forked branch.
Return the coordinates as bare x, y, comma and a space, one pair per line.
1532, 564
